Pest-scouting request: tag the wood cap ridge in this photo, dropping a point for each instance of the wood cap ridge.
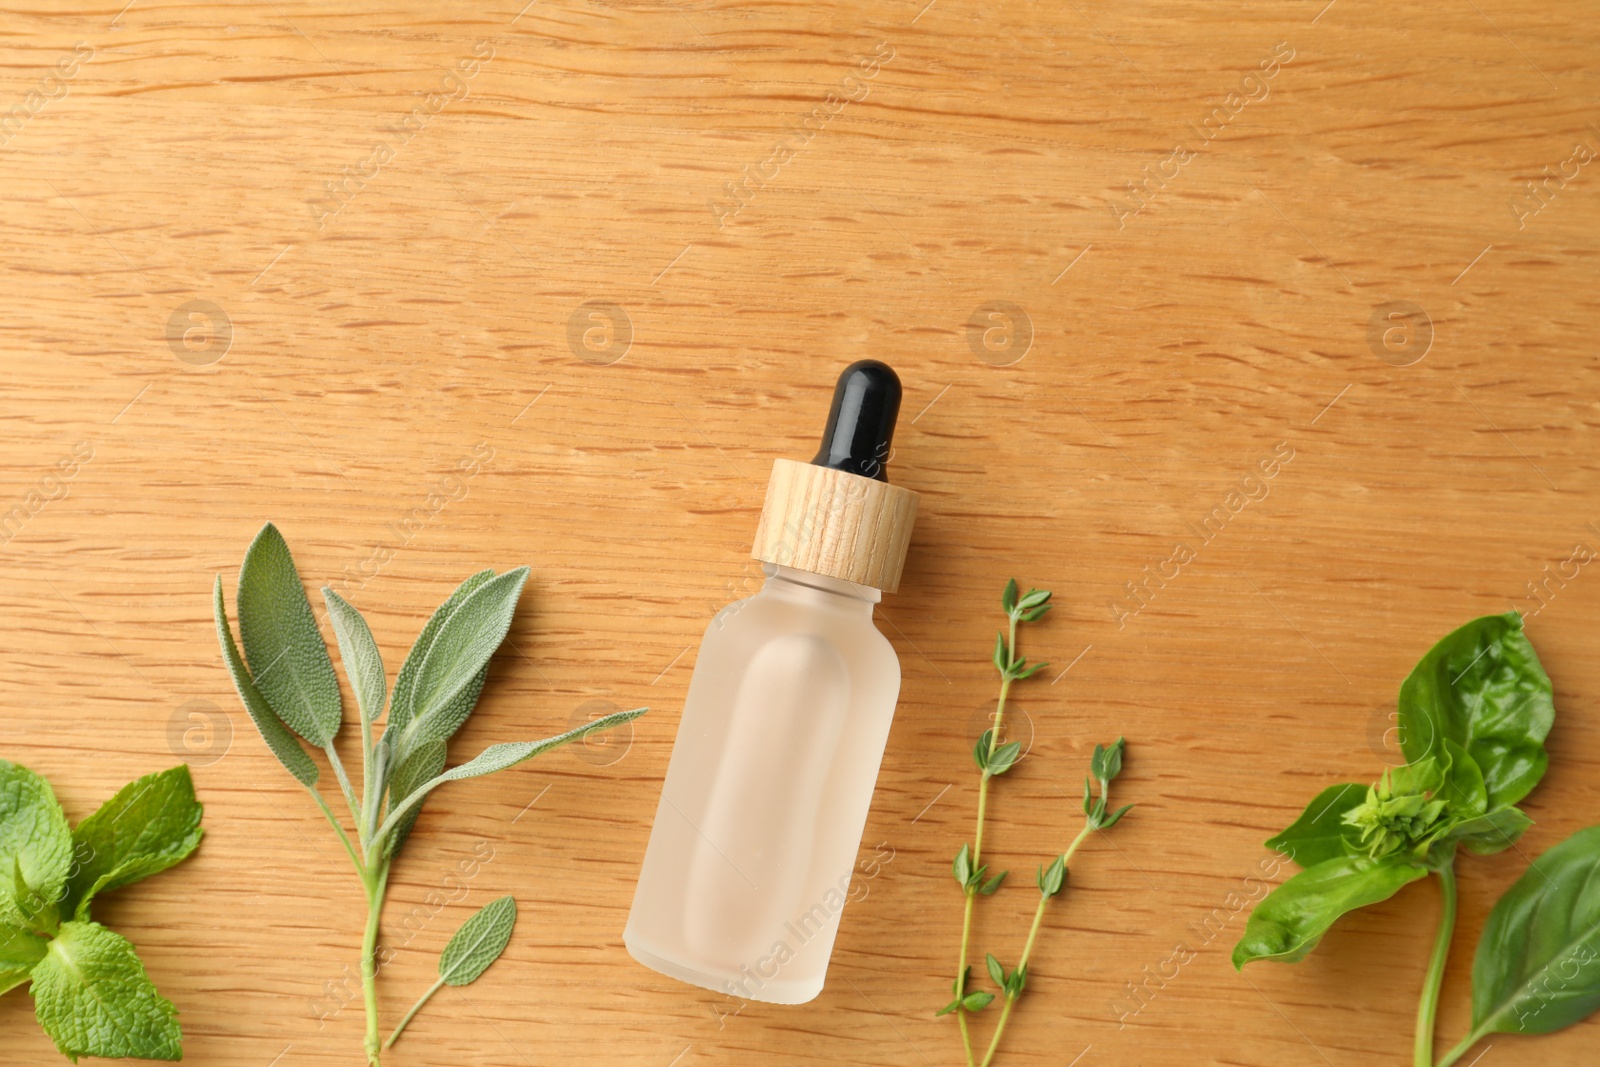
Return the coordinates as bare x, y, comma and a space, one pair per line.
837, 524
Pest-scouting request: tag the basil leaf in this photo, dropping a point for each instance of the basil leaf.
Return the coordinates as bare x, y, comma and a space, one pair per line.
478, 943
93, 998
19, 950
151, 824
400, 710
1292, 919
460, 651
1538, 963
1491, 833
35, 847
1483, 688
287, 657
1462, 786
283, 744
1318, 834
359, 653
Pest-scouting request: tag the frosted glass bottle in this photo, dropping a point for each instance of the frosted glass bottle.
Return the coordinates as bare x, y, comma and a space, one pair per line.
784, 727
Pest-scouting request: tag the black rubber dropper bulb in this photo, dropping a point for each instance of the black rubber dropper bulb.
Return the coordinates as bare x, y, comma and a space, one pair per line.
866, 402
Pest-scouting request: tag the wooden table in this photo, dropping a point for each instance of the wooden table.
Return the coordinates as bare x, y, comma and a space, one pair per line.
301, 261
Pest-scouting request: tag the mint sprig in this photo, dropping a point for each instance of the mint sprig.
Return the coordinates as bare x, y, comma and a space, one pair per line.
90, 991
285, 679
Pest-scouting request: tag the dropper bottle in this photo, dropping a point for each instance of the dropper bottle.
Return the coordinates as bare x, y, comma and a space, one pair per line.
784, 728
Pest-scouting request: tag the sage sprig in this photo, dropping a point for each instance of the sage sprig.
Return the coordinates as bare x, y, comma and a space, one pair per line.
1474, 714
286, 680
994, 758
90, 991
478, 943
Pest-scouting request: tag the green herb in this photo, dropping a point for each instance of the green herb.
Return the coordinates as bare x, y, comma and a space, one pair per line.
90, 991
995, 758
285, 679
1474, 714
477, 944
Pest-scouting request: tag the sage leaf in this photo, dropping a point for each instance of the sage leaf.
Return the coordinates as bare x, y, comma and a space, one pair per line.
1292, 919
1538, 964
423, 764
478, 943
35, 847
20, 950
283, 744
359, 653
151, 824
288, 659
461, 649
1482, 687
1318, 834
400, 710
499, 757
93, 998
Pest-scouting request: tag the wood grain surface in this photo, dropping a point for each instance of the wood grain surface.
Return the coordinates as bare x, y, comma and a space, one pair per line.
554, 285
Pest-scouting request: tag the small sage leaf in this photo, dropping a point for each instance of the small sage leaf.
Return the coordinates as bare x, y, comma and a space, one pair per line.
151, 824
1538, 964
359, 652
93, 998
288, 659
283, 744
462, 648
35, 846
400, 710
424, 764
478, 943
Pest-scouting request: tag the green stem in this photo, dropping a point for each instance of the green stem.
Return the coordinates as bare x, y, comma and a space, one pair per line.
361, 868
344, 782
1428, 1006
377, 884
1027, 948
1462, 1049
414, 1009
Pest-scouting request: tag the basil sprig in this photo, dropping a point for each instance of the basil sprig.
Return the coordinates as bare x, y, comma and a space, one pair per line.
1474, 715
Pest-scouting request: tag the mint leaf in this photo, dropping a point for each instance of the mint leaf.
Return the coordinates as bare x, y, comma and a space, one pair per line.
283, 744
461, 649
359, 652
150, 825
478, 943
93, 998
400, 710
19, 950
35, 847
287, 657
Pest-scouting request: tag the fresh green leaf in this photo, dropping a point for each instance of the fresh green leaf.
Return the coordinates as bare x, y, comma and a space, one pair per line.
93, 998
359, 652
948, 1008
1002, 758
20, 950
400, 708
961, 867
1538, 964
1029, 616
478, 943
461, 648
1462, 785
424, 764
151, 824
499, 757
1020, 674
996, 972
288, 659
1008, 599
35, 847
977, 1001
1000, 652
1106, 763
1115, 817
988, 887
1034, 598
1482, 687
1016, 982
283, 744
1053, 877
1491, 833
1292, 919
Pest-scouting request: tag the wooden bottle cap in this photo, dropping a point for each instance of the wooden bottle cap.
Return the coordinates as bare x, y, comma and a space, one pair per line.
835, 523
